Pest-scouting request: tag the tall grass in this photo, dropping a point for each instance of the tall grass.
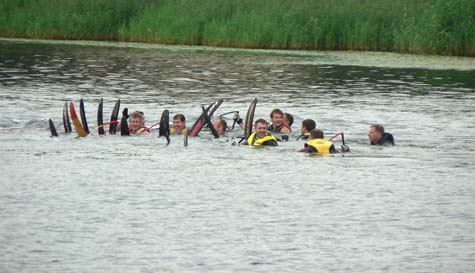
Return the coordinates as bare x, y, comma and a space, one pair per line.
66, 19
423, 26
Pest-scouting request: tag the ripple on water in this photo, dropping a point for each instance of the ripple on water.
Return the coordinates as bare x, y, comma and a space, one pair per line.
122, 204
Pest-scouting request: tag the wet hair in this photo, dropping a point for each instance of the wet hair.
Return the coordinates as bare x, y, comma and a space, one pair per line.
180, 117
223, 123
316, 133
276, 111
261, 120
138, 114
379, 128
309, 124
290, 118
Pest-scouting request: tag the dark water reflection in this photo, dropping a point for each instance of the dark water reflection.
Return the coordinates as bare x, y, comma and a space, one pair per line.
134, 205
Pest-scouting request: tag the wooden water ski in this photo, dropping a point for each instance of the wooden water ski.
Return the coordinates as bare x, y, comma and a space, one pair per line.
82, 112
114, 115
77, 124
66, 119
249, 119
100, 119
52, 129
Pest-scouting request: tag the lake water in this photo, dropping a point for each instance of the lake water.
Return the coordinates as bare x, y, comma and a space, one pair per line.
134, 204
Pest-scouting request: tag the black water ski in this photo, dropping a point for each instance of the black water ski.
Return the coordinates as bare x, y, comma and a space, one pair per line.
210, 124
164, 129
124, 125
200, 122
82, 111
66, 119
52, 129
100, 119
114, 115
249, 119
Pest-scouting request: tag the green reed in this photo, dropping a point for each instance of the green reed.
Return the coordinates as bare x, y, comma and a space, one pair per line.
424, 26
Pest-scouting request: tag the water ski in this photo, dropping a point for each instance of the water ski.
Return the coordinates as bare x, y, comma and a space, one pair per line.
100, 121
124, 125
52, 129
185, 138
114, 115
164, 124
77, 124
201, 121
82, 112
210, 124
66, 119
164, 129
249, 119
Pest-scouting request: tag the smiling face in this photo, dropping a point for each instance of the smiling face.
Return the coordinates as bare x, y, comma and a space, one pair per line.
261, 129
178, 125
136, 124
277, 119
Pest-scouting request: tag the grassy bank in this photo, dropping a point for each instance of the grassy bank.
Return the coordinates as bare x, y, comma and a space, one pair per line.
431, 27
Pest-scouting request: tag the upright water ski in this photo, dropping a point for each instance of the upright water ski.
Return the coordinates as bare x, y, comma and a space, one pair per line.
124, 125
100, 121
52, 129
164, 124
249, 119
77, 124
66, 119
82, 111
114, 115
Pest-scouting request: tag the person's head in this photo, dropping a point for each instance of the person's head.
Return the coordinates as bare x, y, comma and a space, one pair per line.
288, 119
277, 117
179, 123
137, 120
376, 132
220, 125
261, 127
307, 126
316, 133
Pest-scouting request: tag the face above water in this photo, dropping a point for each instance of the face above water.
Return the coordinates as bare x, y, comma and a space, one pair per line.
178, 125
285, 120
373, 135
219, 127
261, 129
277, 119
136, 124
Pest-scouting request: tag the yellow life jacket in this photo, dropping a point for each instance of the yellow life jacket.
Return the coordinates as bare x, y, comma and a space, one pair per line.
304, 136
173, 131
260, 141
322, 145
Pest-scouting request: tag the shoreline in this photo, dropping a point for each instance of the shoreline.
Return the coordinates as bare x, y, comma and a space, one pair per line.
302, 57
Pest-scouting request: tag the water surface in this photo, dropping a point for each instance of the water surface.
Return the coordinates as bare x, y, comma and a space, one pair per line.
133, 204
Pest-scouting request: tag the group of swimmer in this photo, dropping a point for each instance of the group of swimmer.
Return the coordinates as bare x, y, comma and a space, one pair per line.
264, 132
